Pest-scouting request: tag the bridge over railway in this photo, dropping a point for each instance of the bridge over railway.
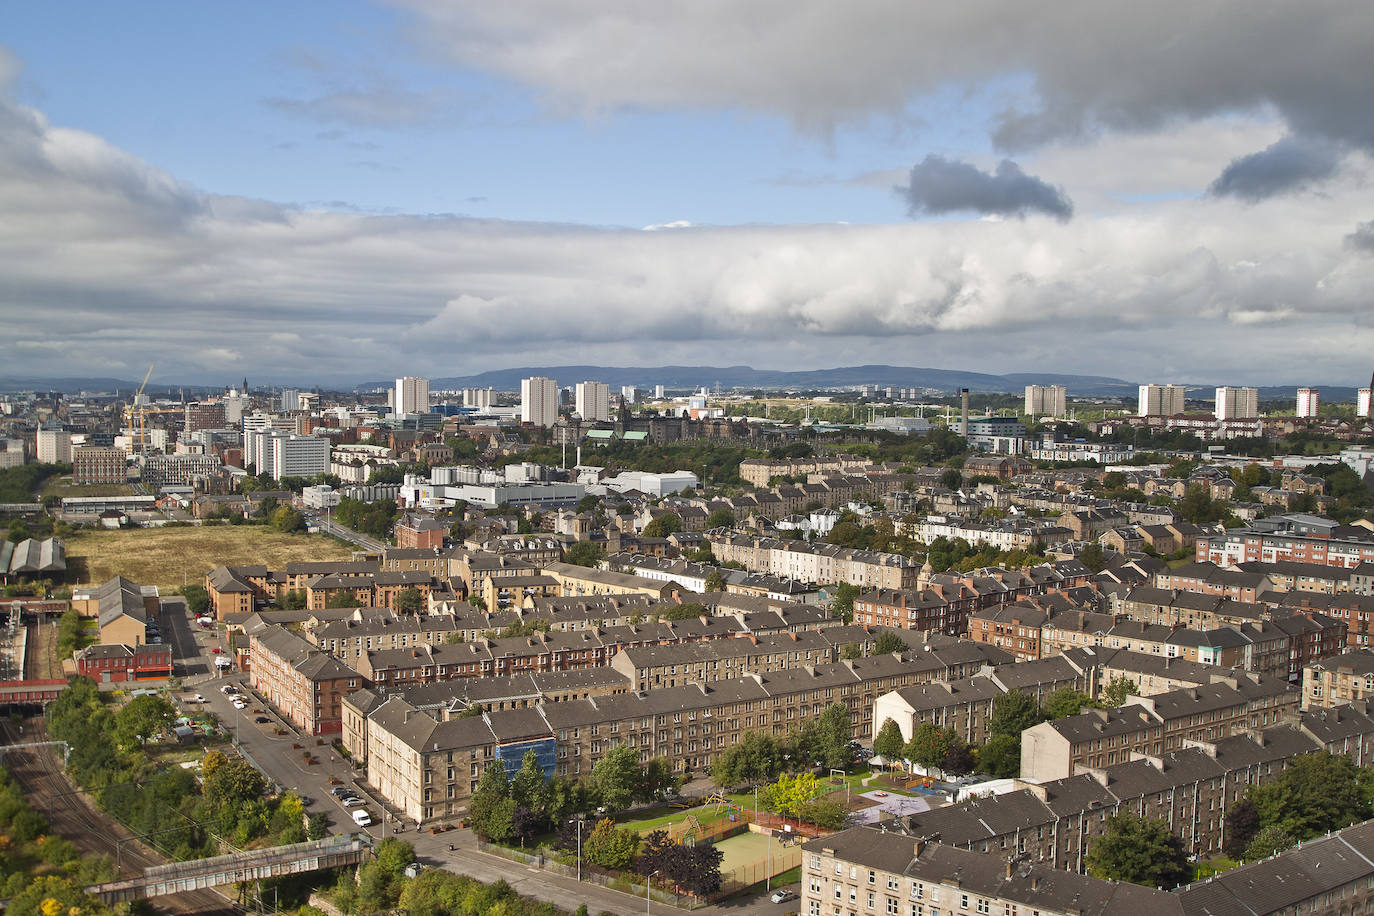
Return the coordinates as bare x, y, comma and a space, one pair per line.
198, 874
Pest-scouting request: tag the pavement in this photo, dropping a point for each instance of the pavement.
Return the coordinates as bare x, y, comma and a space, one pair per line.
192, 652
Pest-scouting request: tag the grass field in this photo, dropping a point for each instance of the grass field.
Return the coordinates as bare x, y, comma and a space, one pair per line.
705, 814
62, 486
168, 557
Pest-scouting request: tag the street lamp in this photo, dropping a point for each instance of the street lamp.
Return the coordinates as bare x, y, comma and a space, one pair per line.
580, 818
648, 883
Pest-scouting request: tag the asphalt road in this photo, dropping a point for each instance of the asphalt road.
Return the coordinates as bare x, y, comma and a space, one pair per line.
281, 758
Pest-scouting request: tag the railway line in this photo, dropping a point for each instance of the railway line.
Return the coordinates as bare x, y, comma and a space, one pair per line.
93, 832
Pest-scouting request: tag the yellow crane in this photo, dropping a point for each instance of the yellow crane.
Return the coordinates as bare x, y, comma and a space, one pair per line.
142, 438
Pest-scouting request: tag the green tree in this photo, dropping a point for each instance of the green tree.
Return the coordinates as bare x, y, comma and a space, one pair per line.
929, 745
715, 582
1139, 851
790, 793
825, 740
1093, 557
493, 789
889, 642
293, 600
1316, 794
71, 632
342, 599
585, 553
889, 742
951, 478
409, 601
1116, 692
1012, 713
142, 719
842, 605
1064, 702
616, 777
1268, 841
959, 760
720, 518
758, 757
1001, 756
824, 813
850, 651
232, 782
197, 599
288, 520
663, 525
528, 786
610, 847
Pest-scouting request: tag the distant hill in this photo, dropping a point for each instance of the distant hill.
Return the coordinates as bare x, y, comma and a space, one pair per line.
749, 377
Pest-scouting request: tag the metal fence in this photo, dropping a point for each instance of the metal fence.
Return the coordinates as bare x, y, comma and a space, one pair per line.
751, 873
625, 882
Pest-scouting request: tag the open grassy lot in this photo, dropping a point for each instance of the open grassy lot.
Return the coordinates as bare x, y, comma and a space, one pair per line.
62, 486
168, 557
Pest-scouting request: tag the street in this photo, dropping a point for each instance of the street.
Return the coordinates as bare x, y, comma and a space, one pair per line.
286, 766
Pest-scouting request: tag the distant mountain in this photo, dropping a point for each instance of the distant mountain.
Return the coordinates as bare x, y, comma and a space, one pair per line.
66, 385
747, 377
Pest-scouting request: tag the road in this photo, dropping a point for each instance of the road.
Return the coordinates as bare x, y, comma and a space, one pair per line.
73, 816
343, 533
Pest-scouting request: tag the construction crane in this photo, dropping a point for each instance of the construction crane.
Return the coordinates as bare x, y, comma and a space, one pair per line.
142, 439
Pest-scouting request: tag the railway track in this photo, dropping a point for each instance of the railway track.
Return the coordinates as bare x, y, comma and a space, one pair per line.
93, 832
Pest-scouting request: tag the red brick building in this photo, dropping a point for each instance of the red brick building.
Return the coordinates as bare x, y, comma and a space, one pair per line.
111, 663
417, 531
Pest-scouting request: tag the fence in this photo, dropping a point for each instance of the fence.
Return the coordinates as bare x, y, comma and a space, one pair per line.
751, 873
625, 882
687, 833
788, 825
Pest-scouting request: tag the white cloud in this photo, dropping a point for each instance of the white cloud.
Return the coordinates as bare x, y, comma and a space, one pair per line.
110, 263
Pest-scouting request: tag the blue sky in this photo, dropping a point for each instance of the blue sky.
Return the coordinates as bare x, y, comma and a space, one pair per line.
323, 192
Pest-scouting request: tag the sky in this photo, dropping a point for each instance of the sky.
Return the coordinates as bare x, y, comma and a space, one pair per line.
335, 192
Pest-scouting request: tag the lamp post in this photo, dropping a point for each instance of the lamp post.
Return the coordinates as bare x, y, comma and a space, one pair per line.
579, 847
648, 882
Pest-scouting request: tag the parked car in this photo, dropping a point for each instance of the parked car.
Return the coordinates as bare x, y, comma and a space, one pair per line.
782, 896
195, 699
351, 801
261, 720
340, 791
228, 689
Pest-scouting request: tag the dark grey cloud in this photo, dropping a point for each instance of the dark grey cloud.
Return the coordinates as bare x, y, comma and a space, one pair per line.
1138, 66
1362, 239
939, 185
1290, 164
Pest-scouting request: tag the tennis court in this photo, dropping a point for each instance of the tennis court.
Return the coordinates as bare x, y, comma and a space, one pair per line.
748, 861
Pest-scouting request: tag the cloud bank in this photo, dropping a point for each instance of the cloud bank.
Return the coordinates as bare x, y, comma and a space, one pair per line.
108, 263
1290, 164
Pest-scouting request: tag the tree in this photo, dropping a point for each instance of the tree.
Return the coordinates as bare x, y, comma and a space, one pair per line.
1012, 713
929, 745
288, 520
851, 650
889, 642
1064, 702
293, 600
528, 786
695, 869
663, 525
720, 518
825, 740
1092, 557
951, 478
585, 553
342, 599
758, 757
610, 847
889, 742
409, 601
790, 793
1242, 824
842, 605
1001, 756
143, 718
715, 582
197, 599
71, 632
1139, 851
1268, 841
493, 789
616, 776
232, 782
958, 759
824, 813
1316, 794
1116, 692
657, 778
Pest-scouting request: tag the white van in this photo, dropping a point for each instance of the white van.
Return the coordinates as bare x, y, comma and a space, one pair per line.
362, 818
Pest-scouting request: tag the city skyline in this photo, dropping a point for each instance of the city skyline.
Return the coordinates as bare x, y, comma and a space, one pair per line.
427, 189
